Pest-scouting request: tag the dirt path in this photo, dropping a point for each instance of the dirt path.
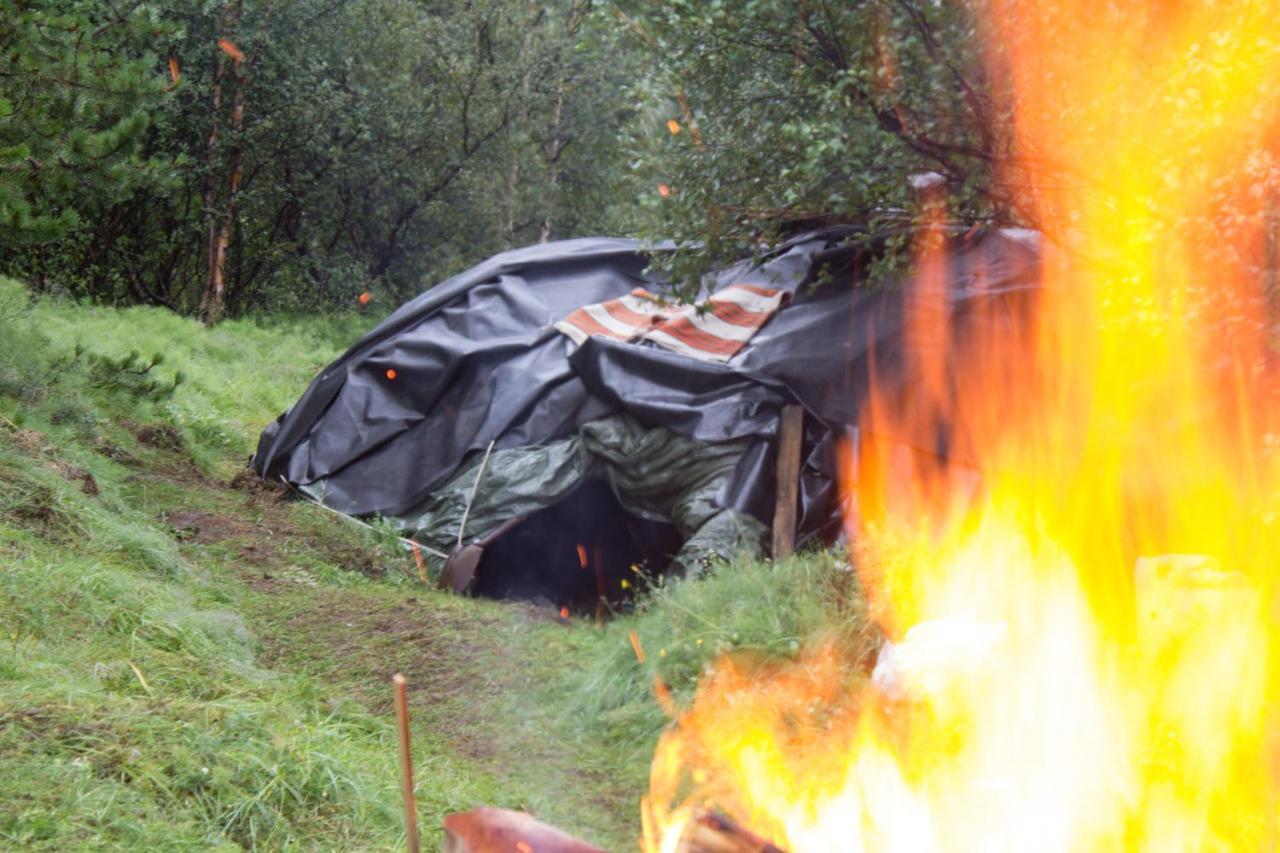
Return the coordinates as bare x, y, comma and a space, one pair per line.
326, 601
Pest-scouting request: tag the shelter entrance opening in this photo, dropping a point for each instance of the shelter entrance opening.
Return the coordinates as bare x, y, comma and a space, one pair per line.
575, 553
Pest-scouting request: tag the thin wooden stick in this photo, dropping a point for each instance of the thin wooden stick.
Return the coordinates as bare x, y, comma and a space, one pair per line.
407, 543
475, 487
406, 763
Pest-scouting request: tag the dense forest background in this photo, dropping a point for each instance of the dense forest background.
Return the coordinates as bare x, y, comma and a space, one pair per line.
229, 156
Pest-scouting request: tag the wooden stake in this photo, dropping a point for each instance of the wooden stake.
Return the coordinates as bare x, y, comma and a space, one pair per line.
790, 434
602, 594
406, 764
417, 558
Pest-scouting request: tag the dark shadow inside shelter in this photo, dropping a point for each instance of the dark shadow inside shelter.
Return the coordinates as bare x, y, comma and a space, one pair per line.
574, 553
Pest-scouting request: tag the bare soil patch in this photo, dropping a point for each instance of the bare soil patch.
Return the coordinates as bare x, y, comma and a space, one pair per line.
159, 437
208, 528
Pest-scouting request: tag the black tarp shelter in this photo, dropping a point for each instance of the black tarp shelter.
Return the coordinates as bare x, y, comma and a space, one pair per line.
498, 429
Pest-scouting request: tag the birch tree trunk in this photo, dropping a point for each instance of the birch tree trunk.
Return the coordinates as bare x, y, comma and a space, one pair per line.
556, 138
213, 301
211, 168
511, 203
216, 293
555, 144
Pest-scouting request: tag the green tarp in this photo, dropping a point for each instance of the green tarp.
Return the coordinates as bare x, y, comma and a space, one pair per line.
655, 473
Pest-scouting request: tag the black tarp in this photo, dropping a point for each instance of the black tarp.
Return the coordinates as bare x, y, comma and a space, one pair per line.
478, 364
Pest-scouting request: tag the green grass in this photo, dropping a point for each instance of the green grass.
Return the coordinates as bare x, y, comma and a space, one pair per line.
236, 377
775, 611
188, 665
132, 712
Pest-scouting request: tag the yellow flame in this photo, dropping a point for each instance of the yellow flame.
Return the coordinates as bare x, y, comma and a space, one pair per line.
1080, 598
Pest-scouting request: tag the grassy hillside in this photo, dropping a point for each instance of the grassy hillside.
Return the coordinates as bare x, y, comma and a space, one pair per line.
186, 660
234, 378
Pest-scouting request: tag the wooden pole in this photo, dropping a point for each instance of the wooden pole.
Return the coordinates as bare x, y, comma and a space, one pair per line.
790, 434
602, 594
417, 558
406, 764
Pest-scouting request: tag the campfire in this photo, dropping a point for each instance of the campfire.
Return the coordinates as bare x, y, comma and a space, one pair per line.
1078, 594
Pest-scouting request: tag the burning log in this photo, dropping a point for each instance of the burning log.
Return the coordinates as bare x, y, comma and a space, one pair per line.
490, 830
709, 832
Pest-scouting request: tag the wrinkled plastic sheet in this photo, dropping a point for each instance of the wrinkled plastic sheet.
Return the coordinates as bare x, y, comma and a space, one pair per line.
477, 365
655, 473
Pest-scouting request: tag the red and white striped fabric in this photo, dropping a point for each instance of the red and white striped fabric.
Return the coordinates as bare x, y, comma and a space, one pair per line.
713, 331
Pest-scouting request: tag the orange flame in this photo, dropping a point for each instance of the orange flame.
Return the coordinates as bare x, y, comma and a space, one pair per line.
1079, 596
